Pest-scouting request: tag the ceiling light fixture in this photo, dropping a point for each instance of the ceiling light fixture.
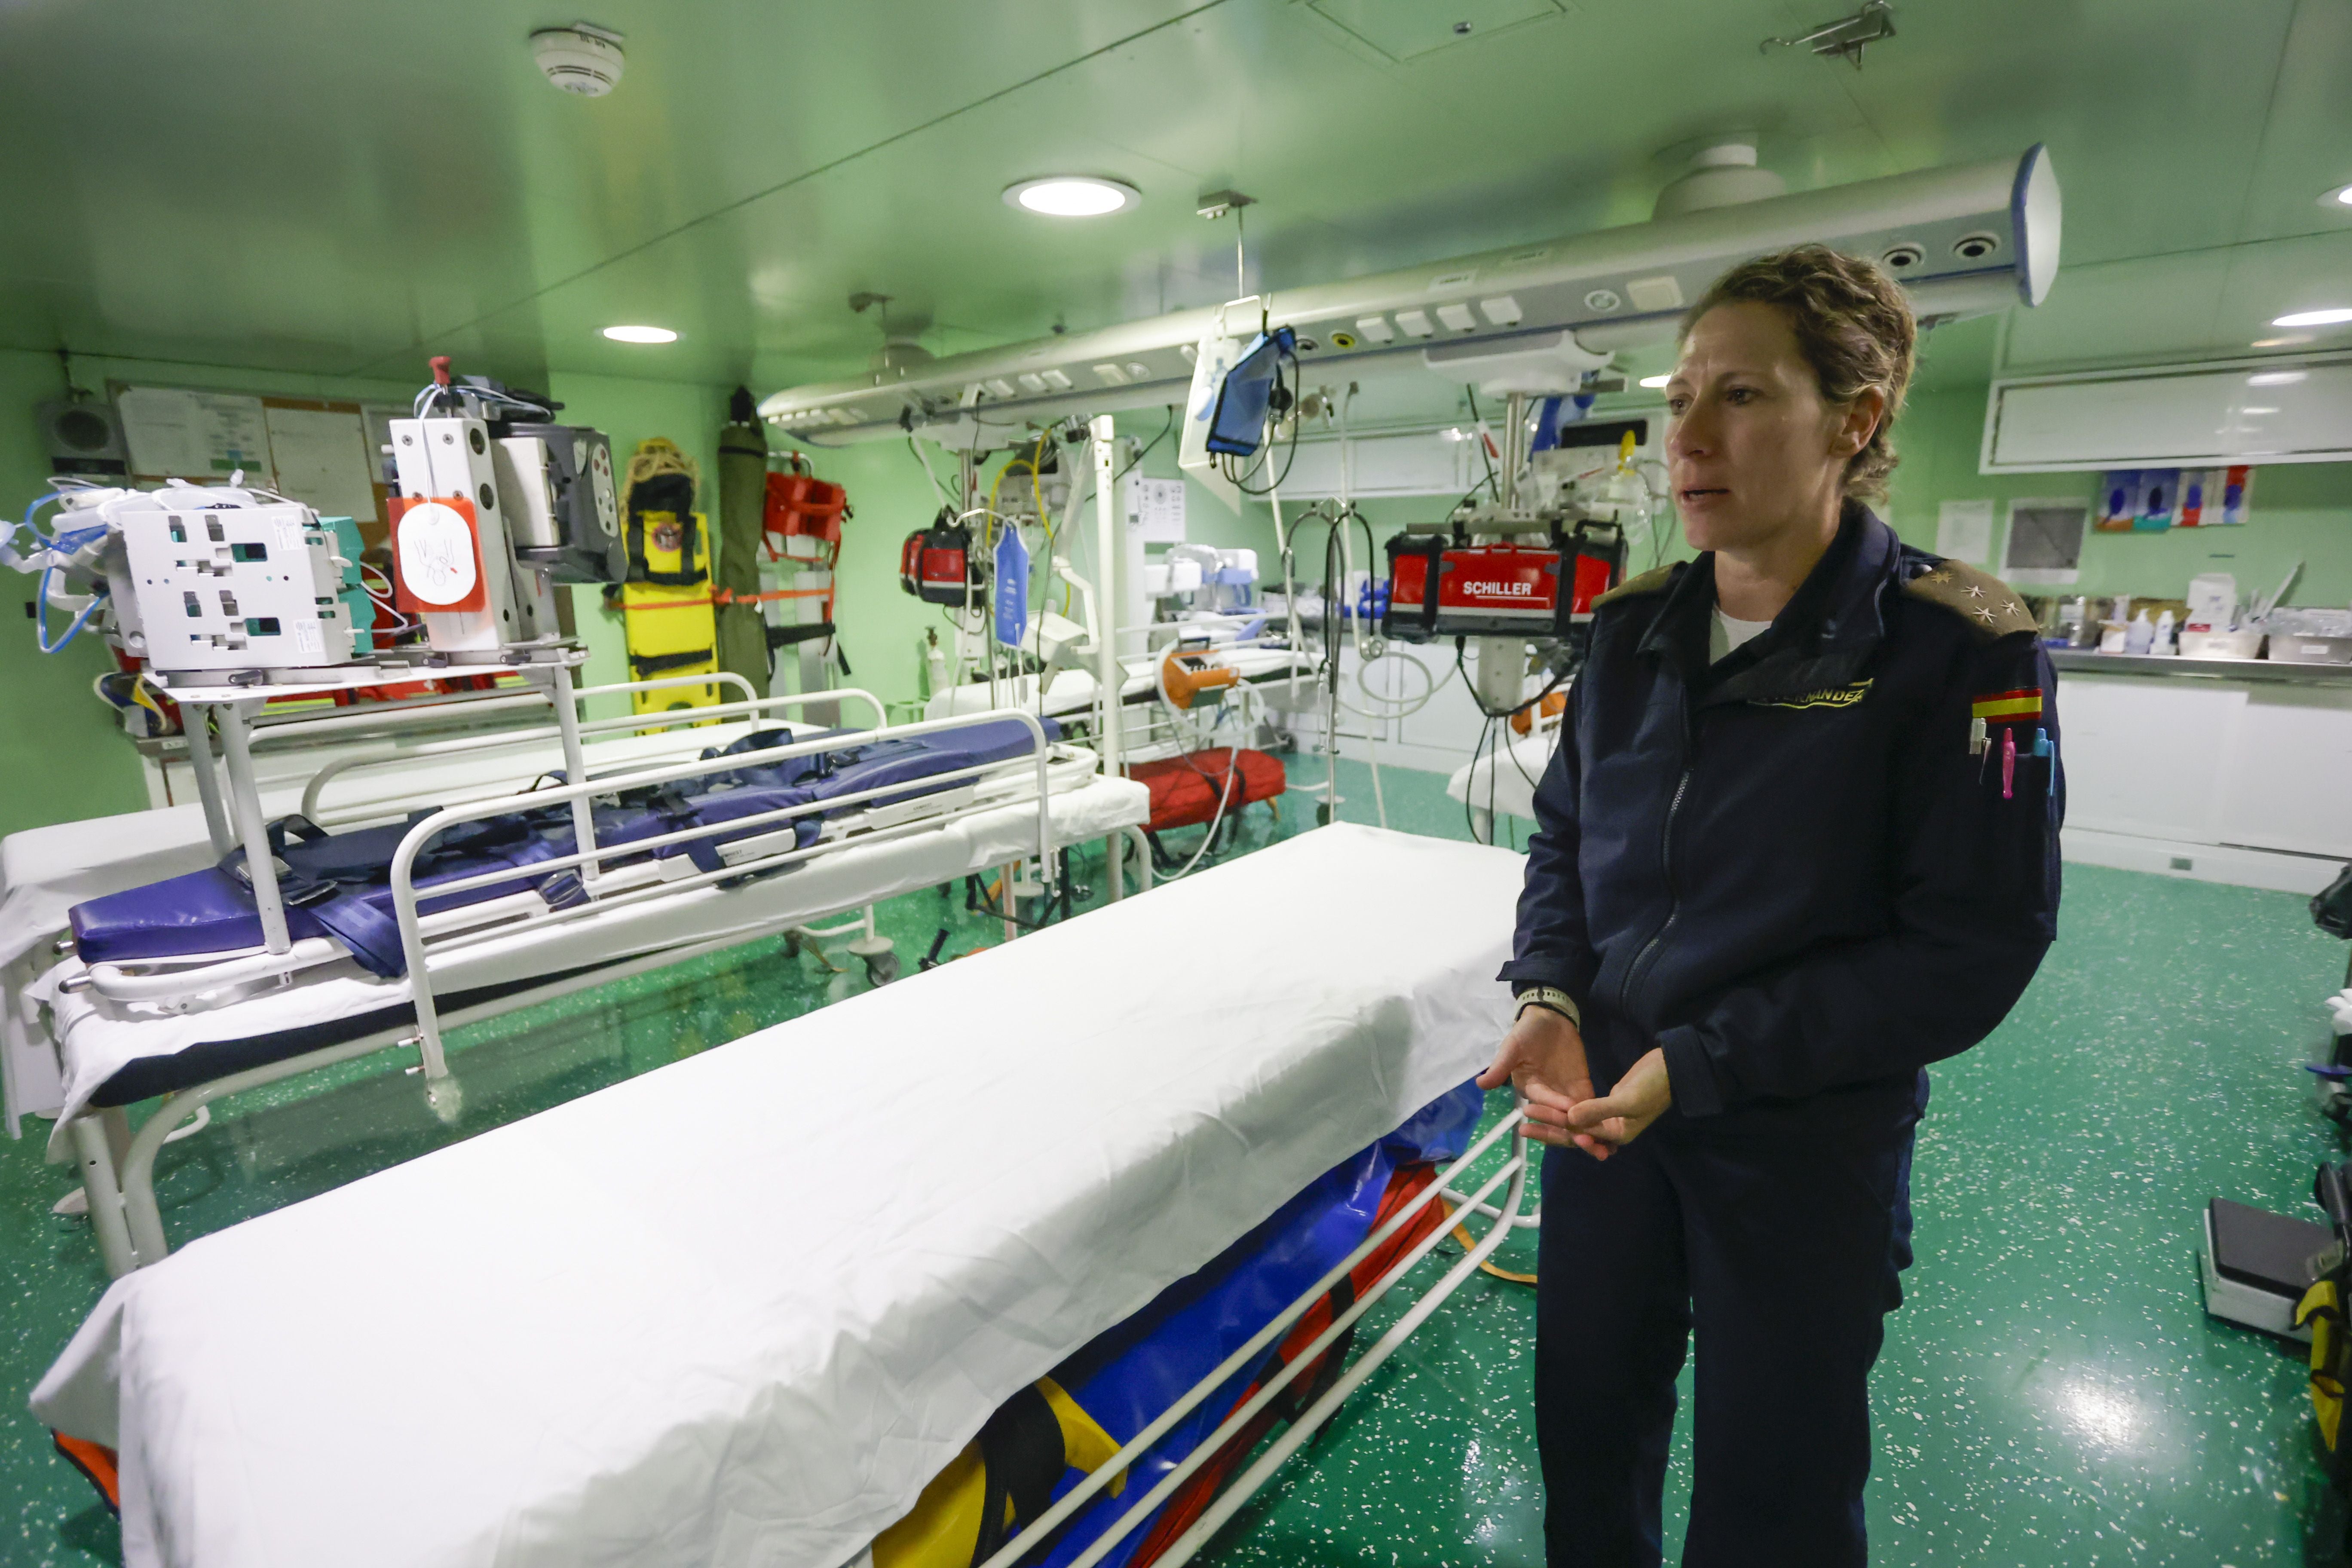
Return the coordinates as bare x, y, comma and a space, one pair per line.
2290, 341
1656, 381
2336, 199
641, 334
1072, 195
2333, 315
2275, 378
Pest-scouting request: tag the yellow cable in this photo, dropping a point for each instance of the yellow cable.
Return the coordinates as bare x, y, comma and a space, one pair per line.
1463, 1236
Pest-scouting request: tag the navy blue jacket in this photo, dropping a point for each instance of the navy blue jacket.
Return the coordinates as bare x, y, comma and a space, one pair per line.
1789, 869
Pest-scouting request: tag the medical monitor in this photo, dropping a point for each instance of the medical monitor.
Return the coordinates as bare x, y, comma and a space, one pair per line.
1237, 423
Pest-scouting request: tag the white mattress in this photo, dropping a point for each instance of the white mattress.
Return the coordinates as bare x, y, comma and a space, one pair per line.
97, 1041
46, 871
740, 1310
1503, 780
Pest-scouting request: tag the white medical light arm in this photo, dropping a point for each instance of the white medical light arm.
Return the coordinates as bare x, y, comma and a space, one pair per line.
1985, 235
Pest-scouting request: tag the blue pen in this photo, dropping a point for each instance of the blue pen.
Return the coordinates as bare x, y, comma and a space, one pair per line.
2043, 748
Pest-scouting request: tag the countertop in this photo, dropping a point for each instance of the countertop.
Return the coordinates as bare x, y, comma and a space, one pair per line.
2088, 661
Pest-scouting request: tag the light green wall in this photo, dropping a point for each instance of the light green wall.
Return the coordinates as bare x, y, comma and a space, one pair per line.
2301, 511
62, 757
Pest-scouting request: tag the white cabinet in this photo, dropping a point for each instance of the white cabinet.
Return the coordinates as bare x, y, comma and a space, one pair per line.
2246, 781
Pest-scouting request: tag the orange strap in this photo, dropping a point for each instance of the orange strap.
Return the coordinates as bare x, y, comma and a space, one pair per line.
729, 597
96, 1462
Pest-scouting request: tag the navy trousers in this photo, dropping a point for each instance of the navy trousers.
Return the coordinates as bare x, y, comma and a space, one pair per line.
1778, 1233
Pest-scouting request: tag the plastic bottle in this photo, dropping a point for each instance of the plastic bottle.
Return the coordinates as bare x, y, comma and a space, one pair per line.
2140, 636
2165, 637
1630, 495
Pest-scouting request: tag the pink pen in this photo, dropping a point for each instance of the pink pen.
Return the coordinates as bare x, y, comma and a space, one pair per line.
2008, 763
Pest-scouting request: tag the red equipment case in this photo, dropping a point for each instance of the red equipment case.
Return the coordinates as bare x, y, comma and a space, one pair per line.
1487, 590
1181, 798
799, 504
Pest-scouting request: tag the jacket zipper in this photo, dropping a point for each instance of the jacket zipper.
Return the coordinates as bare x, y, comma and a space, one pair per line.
1667, 863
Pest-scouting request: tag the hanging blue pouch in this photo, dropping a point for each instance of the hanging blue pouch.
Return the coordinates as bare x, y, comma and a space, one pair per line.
1012, 588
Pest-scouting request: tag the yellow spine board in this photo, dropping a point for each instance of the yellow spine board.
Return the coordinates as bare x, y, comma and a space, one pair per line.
944, 1525
673, 629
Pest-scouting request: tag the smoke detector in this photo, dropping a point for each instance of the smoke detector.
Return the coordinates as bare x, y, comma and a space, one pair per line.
1721, 174
582, 58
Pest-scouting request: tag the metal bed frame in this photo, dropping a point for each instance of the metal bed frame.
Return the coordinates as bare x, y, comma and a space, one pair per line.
118, 1165
15, 1029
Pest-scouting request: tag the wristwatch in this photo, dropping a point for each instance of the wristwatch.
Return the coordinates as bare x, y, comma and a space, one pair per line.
1551, 998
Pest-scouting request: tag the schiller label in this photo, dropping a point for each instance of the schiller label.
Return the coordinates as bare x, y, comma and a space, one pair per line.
1509, 590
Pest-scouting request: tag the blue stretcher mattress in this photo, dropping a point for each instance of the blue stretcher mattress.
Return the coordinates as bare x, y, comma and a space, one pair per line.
338, 884
1128, 1375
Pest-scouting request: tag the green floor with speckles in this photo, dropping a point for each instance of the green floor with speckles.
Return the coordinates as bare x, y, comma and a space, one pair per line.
2052, 1393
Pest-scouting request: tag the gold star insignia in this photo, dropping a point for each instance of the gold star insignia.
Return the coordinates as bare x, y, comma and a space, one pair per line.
1976, 591
1939, 576
1985, 616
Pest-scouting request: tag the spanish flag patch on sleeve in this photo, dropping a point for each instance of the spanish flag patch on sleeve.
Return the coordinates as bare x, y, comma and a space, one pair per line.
2008, 707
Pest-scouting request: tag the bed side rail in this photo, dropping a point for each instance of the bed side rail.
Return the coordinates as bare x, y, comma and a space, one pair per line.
588, 859
752, 706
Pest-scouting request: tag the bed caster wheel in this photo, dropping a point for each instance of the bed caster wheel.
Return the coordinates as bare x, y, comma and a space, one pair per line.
880, 957
1324, 814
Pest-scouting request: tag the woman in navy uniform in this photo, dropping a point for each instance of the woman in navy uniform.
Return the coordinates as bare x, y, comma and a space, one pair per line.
1801, 840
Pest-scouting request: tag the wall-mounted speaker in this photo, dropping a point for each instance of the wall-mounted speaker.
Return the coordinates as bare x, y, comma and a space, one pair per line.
82, 436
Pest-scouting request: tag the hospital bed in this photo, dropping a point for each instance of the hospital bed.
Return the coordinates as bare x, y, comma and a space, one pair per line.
172, 992
856, 1234
373, 768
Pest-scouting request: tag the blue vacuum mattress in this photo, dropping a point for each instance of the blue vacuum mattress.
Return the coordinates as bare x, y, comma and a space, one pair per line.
340, 884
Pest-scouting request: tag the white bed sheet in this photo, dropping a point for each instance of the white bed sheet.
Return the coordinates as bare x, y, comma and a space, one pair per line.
46, 871
97, 1044
841, 1244
1505, 779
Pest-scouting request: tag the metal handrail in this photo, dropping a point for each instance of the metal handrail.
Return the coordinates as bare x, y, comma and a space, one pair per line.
419, 710
755, 705
1042, 1529
404, 887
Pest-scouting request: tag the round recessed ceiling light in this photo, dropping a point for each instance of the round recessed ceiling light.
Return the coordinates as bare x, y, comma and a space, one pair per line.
1072, 195
2336, 199
1657, 380
2334, 315
641, 334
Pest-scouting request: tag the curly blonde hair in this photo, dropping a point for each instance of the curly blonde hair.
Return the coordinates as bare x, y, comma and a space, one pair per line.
1854, 326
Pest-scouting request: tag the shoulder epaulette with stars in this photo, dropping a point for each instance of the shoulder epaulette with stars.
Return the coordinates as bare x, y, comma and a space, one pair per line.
1656, 582
1977, 598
